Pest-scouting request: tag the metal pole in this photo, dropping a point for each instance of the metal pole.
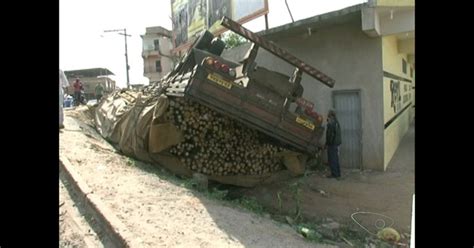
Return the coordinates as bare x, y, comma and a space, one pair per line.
207, 14
126, 58
289, 11
266, 21
126, 52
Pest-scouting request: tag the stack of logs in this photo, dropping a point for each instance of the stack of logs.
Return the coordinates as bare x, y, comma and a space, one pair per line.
217, 145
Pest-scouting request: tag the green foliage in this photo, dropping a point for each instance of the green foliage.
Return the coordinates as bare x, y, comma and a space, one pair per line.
296, 190
233, 40
187, 183
217, 194
250, 204
130, 161
279, 201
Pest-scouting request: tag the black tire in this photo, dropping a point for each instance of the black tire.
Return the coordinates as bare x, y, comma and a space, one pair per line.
204, 40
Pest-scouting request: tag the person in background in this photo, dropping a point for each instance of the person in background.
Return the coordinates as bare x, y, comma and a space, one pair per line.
63, 83
333, 140
77, 91
99, 90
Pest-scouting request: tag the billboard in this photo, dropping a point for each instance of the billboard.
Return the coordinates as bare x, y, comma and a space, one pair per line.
190, 17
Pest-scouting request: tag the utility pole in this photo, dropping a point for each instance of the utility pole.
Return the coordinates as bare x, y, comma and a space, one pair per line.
126, 54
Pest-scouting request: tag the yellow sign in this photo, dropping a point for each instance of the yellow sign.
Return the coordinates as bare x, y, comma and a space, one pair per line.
218, 80
305, 123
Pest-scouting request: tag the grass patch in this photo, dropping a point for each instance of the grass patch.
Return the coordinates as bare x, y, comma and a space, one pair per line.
130, 161
215, 193
250, 204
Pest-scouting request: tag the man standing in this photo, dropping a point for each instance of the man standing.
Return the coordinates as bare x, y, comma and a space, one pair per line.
77, 91
63, 83
99, 91
333, 140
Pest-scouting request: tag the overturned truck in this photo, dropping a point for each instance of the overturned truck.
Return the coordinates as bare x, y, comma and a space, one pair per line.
234, 121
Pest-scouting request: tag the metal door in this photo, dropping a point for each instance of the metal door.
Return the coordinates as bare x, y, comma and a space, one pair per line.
347, 105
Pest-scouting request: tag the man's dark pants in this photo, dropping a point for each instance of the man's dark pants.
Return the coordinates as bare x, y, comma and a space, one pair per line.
333, 159
77, 97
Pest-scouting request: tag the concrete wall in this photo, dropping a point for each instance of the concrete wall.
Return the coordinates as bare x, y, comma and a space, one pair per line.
165, 47
397, 96
150, 67
393, 3
412, 111
388, 18
354, 60
403, 21
167, 63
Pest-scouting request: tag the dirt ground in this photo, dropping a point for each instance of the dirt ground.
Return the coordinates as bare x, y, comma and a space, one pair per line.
74, 230
157, 209
388, 193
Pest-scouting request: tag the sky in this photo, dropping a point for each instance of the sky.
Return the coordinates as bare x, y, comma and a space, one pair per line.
83, 44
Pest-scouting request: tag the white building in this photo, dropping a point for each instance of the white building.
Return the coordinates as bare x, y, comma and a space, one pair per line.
157, 57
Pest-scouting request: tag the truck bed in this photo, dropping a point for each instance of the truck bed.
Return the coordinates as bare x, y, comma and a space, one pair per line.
250, 106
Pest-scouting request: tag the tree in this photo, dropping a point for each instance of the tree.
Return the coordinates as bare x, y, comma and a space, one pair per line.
233, 40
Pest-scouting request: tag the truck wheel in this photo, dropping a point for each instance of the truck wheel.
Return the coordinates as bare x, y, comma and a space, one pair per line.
217, 47
204, 41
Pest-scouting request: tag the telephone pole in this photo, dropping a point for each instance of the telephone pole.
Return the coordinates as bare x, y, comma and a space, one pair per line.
126, 54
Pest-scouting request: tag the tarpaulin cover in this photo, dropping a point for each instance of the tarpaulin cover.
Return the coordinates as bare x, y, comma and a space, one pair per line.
137, 125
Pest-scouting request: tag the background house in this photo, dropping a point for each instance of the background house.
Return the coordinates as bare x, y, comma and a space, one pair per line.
369, 50
157, 57
90, 78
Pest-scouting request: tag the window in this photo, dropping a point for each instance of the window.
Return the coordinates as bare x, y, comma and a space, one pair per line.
404, 66
158, 66
411, 72
156, 44
148, 45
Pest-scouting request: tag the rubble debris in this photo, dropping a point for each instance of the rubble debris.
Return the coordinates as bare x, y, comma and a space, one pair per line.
389, 234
